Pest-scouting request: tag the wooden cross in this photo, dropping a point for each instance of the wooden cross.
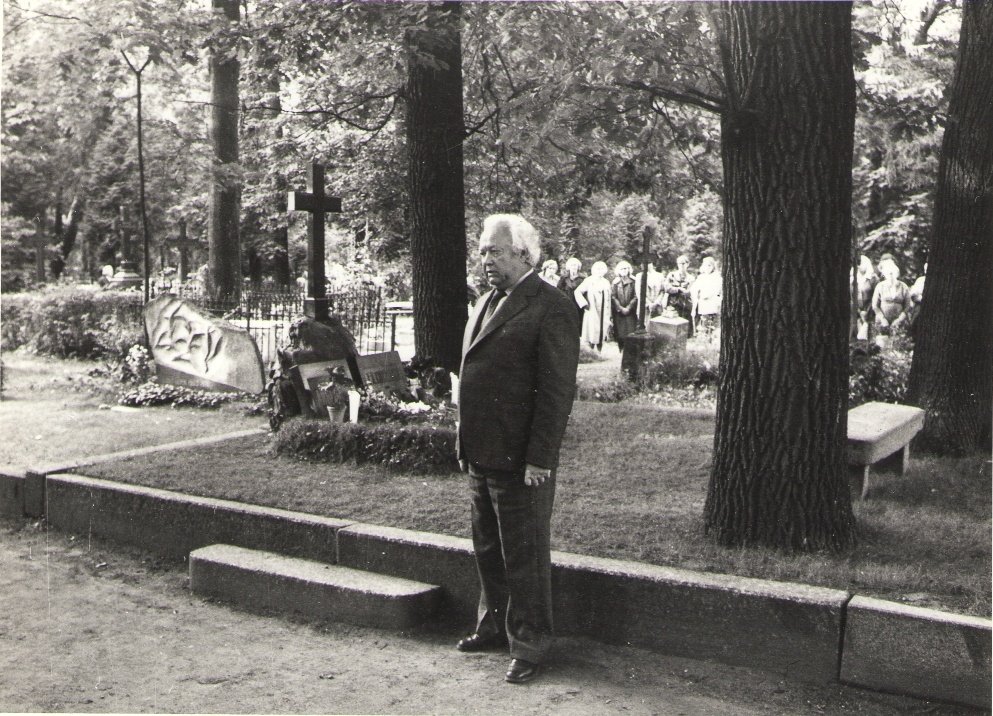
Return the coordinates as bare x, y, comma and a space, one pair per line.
317, 204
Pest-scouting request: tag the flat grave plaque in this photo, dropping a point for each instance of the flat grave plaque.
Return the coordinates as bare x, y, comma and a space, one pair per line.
382, 371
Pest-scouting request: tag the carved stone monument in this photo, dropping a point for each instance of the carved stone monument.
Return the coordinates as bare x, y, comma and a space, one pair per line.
199, 351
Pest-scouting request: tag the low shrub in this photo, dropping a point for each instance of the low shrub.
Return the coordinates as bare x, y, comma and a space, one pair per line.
588, 355
73, 322
877, 375
413, 448
148, 394
613, 391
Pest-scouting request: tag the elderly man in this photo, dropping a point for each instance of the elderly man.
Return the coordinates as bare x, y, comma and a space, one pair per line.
516, 388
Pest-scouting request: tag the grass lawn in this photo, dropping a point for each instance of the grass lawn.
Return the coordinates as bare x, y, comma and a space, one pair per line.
51, 412
632, 486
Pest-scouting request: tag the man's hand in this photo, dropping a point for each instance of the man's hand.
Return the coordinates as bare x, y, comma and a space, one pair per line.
535, 476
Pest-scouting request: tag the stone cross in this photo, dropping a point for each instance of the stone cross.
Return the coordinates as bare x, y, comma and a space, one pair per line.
317, 204
645, 260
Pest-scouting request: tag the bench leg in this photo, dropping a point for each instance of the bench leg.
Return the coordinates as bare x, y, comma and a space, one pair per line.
904, 459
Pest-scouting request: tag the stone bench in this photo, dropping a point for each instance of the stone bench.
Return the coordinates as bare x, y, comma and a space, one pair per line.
879, 434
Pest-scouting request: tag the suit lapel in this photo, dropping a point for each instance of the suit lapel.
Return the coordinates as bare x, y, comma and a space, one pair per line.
516, 302
475, 318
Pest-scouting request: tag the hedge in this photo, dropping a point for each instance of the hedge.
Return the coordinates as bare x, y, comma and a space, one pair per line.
415, 448
72, 322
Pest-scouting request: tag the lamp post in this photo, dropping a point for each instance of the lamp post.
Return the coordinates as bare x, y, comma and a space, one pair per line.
141, 169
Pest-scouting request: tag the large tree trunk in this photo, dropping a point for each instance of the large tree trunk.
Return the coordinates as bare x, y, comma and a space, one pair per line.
435, 131
779, 474
224, 258
952, 372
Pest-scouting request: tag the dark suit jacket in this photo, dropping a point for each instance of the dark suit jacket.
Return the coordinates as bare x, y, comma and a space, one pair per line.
518, 379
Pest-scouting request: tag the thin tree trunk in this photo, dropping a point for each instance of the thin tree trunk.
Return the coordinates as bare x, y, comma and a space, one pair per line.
951, 376
779, 474
223, 238
435, 130
66, 231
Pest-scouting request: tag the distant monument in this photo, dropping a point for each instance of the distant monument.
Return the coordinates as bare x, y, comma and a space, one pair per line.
125, 277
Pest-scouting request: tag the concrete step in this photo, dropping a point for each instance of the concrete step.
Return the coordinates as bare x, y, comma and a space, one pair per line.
267, 582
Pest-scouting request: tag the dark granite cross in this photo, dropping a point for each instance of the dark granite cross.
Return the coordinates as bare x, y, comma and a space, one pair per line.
317, 204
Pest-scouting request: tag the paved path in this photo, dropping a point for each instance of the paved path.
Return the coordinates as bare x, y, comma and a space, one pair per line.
89, 628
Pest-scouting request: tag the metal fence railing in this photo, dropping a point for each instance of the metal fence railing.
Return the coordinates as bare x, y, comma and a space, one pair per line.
268, 314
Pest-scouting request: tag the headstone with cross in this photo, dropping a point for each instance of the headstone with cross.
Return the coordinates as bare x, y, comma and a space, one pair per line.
317, 204
319, 340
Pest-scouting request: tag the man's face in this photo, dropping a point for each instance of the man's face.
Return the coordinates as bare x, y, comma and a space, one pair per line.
501, 265
682, 264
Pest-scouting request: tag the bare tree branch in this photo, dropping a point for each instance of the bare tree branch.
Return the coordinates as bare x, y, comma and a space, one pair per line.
686, 96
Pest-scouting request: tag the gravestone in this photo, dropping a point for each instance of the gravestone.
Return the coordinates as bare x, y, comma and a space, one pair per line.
672, 329
127, 276
641, 346
383, 371
314, 347
199, 351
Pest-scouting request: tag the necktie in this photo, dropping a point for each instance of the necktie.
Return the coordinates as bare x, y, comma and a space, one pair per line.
491, 306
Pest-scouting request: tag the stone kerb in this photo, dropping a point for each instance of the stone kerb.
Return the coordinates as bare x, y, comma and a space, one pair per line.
173, 524
920, 652
446, 561
790, 629
11, 495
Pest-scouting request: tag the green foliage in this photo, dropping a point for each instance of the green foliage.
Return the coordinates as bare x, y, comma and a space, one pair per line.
876, 375
149, 394
899, 125
413, 448
17, 252
701, 228
72, 322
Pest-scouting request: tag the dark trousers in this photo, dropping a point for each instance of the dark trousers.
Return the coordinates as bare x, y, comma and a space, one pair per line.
511, 528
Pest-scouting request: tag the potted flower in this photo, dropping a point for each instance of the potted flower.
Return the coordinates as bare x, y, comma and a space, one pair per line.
332, 395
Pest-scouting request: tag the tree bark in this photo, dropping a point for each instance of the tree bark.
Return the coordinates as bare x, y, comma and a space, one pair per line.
779, 474
435, 128
951, 376
224, 258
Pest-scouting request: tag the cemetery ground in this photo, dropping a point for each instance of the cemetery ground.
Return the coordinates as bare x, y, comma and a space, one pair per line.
102, 628
632, 485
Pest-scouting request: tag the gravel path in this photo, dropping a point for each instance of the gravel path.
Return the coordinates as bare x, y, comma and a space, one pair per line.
89, 628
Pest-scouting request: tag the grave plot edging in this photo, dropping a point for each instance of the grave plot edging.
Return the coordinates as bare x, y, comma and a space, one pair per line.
172, 524
918, 652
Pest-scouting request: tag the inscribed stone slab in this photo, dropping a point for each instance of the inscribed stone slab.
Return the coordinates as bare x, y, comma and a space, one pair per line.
196, 350
382, 371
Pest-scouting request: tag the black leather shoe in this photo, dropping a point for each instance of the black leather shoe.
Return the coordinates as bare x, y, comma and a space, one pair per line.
478, 642
522, 671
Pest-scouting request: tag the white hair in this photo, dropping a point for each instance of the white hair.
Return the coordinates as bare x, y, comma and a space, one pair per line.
599, 269
573, 261
523, 236
620, 265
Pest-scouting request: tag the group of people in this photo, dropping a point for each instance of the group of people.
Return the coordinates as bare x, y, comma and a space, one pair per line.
611, 307
887, 307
